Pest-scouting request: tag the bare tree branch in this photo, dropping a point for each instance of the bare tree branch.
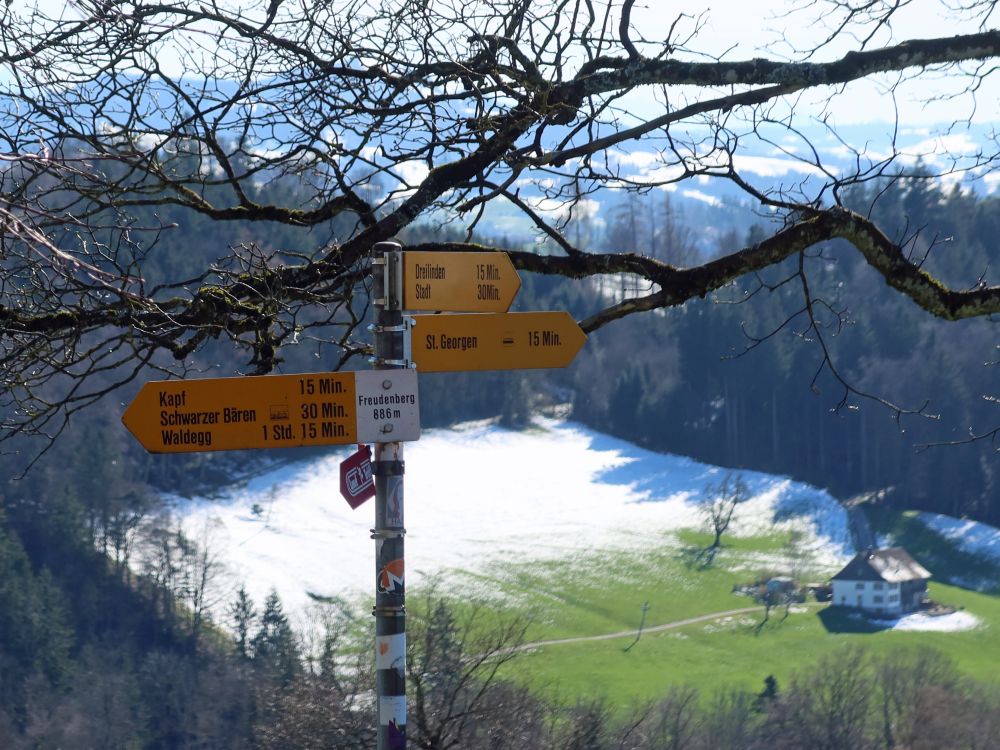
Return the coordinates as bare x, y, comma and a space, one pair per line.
372, 117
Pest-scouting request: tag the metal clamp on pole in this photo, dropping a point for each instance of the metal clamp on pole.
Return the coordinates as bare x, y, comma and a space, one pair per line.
387, 533
381, 363
378, 300
391, 333
403, 328
392, 270
408, 324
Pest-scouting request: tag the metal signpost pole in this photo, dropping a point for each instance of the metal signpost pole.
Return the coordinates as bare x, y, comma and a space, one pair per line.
387, 467
282, 411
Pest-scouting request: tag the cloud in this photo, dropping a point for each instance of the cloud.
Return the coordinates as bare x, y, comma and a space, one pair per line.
585, 208
769, 166
763, 166
544, 183
412, 172
941, 149
640, 159
703, 197
663, 173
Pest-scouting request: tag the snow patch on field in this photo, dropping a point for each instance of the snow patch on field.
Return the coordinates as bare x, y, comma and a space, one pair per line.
479, 495
730, 623
783, 505
970, 536
955, 622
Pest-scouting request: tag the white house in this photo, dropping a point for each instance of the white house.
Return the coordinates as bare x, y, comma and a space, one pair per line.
884, 581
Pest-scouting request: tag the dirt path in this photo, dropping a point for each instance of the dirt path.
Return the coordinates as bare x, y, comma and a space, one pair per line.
656, 628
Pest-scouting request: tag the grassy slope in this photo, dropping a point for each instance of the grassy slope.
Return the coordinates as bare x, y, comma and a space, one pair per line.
602, 591
731, 653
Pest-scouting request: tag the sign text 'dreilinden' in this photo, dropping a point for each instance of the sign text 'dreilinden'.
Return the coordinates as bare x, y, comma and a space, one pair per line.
274, 411
468, 282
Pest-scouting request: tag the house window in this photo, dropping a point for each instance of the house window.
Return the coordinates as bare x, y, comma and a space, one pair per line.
893, 598
878, 586
859, 585
877, 599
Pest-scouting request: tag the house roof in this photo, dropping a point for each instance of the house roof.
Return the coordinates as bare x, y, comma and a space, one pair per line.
892, 565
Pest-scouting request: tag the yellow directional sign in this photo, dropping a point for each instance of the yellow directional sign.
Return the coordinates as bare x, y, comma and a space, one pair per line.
275, 411
461, 282
501, 341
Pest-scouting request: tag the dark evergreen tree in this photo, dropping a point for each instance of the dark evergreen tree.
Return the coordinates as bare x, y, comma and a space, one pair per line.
275, 650
768, 694
242, 614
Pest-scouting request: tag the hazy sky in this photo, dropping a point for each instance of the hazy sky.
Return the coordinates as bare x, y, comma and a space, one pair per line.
776, 29
743, 29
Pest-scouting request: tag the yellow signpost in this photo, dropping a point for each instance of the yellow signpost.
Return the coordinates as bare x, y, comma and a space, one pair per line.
462, 282
274, 411
500, 341
374, 406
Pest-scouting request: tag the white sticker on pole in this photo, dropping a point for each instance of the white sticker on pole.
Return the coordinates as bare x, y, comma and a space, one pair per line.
388, 407
390, 651
392, 710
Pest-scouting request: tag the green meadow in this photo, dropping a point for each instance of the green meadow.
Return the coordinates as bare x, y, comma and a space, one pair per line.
602, 591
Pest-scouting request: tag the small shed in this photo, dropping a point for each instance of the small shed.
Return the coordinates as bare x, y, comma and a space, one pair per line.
781, 585
881, 581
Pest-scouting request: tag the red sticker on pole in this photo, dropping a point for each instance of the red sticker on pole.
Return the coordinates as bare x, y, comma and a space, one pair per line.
356, 481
